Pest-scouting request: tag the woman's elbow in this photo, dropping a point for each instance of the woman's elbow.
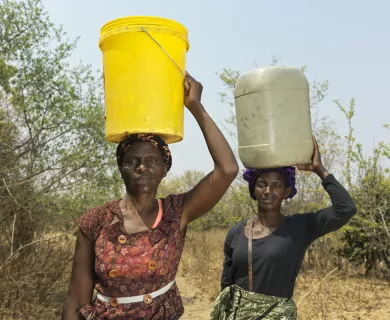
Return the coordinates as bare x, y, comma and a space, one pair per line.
349, 211
230, 172
353, 209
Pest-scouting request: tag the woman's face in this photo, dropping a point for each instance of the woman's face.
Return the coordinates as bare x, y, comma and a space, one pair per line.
143, 168
271, 189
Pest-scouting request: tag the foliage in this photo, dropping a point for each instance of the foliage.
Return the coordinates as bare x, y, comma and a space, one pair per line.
52, 155
367, 236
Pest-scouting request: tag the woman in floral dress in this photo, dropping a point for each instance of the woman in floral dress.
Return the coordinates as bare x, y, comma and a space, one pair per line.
129, 249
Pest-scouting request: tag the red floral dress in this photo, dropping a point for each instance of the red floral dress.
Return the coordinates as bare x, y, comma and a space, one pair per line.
135, 264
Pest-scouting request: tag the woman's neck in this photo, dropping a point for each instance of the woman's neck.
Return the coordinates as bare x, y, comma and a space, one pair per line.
142, 204
269, 218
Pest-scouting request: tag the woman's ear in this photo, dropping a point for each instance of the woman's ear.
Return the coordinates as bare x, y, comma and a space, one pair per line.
288, 192
120, 171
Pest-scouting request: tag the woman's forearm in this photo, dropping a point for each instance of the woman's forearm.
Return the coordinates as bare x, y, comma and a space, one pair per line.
322, 172
336, 216
82, 279
70, 310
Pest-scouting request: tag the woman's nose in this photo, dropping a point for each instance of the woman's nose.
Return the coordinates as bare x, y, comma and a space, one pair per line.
142, 166
267, 190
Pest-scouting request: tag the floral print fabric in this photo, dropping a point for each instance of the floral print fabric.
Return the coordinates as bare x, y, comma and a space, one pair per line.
135, 264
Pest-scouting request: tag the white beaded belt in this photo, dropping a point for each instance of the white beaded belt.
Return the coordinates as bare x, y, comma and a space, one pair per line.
147, 298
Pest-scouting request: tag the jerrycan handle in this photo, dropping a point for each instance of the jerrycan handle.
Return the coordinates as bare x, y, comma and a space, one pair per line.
166, 53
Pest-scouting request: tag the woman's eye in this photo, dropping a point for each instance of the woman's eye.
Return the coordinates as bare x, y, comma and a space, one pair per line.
153, 160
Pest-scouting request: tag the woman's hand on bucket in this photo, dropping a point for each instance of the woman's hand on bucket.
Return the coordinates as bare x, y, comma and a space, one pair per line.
193, 93
316, 165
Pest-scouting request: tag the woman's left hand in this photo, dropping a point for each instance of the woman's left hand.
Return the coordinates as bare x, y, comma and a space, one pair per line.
316, 162
193, 93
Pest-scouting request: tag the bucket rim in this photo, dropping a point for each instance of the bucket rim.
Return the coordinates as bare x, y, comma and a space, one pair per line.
152, 21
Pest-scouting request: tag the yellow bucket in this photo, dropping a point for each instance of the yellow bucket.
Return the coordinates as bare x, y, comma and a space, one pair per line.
144, 64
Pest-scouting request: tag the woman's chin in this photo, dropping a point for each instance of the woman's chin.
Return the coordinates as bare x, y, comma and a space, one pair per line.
142, 188
265, 205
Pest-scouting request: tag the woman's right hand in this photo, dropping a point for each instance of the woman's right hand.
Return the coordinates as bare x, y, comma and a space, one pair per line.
316, 165
193, 93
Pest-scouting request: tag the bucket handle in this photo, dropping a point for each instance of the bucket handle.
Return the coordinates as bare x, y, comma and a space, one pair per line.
166, 53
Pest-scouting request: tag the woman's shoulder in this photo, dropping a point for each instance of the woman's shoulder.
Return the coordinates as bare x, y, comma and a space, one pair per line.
237, 226
300, 216
173, 206
93, 218
174, 201
235, 229
300, 220
102, 210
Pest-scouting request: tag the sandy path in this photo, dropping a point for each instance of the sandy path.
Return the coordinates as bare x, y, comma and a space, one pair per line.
195, 307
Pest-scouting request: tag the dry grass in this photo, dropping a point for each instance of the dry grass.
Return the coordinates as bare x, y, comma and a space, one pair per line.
34, 285
201, 261
320, 293
341, 297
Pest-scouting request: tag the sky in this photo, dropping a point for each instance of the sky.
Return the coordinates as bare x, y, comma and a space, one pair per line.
345, 42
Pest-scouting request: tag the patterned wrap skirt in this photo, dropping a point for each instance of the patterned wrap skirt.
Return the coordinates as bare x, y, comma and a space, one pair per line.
235, 303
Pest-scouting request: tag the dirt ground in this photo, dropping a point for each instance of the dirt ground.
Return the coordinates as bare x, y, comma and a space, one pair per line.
195, 306
350, 304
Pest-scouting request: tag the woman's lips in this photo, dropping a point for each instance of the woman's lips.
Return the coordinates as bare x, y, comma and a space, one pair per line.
144, 179
267, 200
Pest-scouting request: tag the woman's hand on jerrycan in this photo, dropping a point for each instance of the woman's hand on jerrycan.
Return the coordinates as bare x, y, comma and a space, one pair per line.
193, 93
316, 165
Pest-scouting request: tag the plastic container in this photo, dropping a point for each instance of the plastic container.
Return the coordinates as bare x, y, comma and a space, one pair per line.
273, 118
144, 62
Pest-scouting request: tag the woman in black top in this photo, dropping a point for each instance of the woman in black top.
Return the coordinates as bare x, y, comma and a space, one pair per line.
280, 242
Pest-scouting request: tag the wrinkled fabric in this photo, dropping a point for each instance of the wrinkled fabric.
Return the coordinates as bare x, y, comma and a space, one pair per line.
235, 303
155, 140
250, 175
